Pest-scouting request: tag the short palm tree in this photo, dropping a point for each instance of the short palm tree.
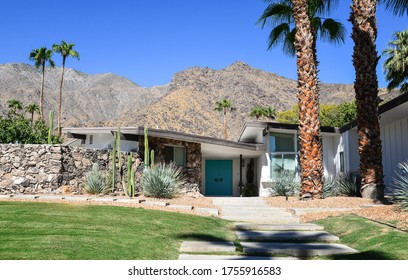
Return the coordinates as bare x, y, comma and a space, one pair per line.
396, 65
257, 112
270, 112
224, 106
65, 50
40, 57
14, 105
32, 108
365, 59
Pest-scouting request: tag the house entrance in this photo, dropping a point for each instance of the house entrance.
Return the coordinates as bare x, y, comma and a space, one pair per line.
218, 177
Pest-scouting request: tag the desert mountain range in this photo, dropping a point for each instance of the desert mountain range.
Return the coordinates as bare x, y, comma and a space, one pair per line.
186, 104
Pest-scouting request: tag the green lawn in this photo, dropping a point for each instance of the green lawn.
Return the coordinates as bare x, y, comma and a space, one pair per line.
68, 231
373, 240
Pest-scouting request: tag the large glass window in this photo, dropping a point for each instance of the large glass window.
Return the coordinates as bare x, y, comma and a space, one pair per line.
175, 154
283, 152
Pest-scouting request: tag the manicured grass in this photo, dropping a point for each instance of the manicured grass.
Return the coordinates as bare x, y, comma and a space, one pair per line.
67, 231
373, 240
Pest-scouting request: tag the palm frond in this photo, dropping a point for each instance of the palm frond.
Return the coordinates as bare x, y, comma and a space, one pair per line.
332, 31
398, 7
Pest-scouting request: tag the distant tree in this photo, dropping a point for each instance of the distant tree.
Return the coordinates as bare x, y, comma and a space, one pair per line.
289, 116
270, 113
396, 65
224, 106
40, 57
32, 108
14, 106
257, 112
65, 50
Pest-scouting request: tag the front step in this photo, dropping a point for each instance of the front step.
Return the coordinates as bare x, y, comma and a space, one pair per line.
281, 227
207, 246
265, 220
232, 257
295, 249
286, 236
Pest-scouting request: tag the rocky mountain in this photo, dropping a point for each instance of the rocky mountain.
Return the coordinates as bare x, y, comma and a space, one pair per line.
186, 104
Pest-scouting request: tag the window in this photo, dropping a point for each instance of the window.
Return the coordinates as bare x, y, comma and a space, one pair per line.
341, 161
175, 154
283, 152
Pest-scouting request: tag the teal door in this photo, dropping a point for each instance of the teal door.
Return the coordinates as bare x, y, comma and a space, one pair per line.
218, 177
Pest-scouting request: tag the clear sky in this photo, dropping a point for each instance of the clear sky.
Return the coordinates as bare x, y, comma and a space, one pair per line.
148, 41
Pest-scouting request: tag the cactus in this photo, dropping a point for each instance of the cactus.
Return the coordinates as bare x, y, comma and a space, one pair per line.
119, 151
146, 148
152, 158
114, 162
50, 123
129, 175
132, 183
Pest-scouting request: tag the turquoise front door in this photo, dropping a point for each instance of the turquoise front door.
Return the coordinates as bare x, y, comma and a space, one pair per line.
218, 177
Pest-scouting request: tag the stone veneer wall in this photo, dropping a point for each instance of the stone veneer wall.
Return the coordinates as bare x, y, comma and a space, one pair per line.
50, 169
192, 170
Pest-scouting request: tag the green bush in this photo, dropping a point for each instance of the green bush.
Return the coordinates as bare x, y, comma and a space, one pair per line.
400, 183
330, 186
95, 182
162, 181
285, 184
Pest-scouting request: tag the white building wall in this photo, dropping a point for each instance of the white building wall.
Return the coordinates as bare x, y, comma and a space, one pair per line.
349, 142
394, 138
105, 141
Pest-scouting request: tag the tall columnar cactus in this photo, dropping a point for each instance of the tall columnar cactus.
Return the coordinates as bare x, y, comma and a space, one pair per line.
130, 182
146, 149
114, 162
119, 153
51, 126
152, 158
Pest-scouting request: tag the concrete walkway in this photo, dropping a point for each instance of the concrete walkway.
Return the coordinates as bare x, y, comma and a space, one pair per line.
263, 232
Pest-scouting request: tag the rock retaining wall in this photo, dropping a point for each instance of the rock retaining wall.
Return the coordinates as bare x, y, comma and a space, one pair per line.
52, 169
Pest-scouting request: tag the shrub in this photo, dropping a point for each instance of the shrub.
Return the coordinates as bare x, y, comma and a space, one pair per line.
95, 181
400, 183
330, 186
285, 184
162, 181
349, 184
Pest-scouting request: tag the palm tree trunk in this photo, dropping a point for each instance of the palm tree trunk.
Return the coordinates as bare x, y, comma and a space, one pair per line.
42, 91
225, 124
311, 157
60, 96
365, 59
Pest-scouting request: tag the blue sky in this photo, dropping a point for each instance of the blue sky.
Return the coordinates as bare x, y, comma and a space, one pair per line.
149, 41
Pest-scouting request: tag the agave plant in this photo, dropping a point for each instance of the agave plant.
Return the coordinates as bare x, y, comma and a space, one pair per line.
400, 183
286, 184
95, 181
162, 181
349, 184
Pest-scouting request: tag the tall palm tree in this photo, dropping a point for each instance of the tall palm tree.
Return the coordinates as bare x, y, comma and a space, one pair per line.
396, 65
224, 106
311, 158
281, 16
40, 57
365, 60
257, 112
32, 108
65, 50
14, 105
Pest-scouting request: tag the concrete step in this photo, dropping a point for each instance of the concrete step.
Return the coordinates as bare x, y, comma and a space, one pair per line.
258, 214
253, 208
295, 249
286, 236
231, 257
207, 246
270, 220
281, 227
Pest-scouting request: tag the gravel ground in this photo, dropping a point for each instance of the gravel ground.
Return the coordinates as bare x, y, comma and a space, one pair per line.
389, 214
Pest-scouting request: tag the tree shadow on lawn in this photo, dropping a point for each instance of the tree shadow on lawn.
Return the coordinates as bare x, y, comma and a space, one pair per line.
201, 237
367, 255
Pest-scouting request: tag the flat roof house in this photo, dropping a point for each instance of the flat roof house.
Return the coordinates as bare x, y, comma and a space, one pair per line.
264, 149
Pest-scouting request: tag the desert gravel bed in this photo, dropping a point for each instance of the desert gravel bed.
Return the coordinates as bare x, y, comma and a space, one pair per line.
389, 214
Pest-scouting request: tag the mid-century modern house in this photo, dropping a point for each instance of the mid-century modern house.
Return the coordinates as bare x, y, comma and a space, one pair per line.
219, 167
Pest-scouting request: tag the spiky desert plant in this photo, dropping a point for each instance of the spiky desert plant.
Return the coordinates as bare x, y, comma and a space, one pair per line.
285, 184
330, 186
95, 181
146, 148
130, 178
349, 184
163, 181
119, 153
400, 183
152, 158
114, 162
50, 126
